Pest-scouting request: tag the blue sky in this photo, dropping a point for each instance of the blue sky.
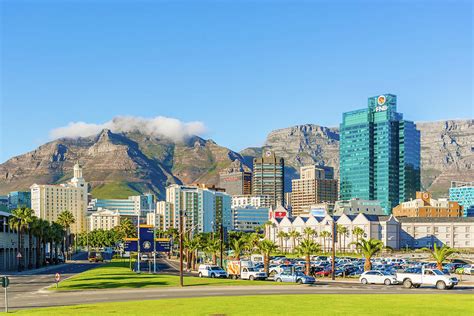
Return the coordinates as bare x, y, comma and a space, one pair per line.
243, 68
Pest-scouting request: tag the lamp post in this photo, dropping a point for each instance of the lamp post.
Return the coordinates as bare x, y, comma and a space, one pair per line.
222, 244
138, 243
182, 215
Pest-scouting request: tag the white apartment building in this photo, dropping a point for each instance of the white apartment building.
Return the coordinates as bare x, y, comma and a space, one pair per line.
48, 201
357, 206
104, 219
205, 208
242, 201
155, 220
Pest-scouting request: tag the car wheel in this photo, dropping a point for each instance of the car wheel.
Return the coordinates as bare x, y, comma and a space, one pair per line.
200, 274
278, 280
440, 285
213, 275
299, 281
407, 283
234, 277
364, 281
387, 282
251, 278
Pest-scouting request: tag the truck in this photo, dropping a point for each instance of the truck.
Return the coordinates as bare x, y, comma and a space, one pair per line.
427, 277
244, 270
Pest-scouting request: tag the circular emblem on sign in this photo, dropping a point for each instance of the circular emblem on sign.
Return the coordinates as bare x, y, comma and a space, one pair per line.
147, 245
268, 153
425, 195
381, 100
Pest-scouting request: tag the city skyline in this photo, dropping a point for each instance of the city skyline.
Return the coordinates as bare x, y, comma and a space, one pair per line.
250, 71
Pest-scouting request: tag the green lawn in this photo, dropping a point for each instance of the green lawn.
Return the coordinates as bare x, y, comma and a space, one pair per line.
315, 304
118, 275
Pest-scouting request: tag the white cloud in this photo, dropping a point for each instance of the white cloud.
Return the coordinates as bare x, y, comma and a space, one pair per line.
158, 126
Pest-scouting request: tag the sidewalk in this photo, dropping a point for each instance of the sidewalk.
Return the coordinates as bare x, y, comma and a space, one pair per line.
43, 269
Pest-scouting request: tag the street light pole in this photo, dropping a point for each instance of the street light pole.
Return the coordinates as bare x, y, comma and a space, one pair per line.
138, 243
333, 260
181, 232
222, 244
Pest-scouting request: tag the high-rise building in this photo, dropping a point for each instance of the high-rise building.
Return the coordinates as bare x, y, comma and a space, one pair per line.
250, 200
48, 201
463, 193
268, 177
18, 199
236, 183
205, 209
379, 154
126, 207
249, 218
312, 188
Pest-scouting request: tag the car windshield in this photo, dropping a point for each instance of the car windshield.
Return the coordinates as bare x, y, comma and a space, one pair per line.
215, 268
438, 272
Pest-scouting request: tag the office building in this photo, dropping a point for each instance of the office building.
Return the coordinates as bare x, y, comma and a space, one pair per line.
104, 219
236, 183
312, 188
48, 201
268, 177
425, 206
17, 199
249, 200
126, 207
248, 218
379, 154
3, 203
205, 209
357, 206
463, 193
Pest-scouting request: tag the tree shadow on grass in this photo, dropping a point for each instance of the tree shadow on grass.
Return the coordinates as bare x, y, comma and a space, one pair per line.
113, 285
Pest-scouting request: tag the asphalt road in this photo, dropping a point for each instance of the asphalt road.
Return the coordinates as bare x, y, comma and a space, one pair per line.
28, 291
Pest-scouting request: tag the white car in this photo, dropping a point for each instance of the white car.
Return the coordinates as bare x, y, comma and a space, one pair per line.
211, 271
427, 277
377, 277
469, 269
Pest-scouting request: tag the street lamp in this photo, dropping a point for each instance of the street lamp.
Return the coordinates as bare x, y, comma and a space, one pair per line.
182, 215
333, 250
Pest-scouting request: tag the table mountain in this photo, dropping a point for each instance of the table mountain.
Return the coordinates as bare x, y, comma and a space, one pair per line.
119, 164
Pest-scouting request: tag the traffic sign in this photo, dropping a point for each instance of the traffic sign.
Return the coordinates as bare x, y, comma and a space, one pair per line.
57, 277
18, 255
5, 281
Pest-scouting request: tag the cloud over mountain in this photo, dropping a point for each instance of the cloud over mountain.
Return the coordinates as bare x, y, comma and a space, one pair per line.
159, 126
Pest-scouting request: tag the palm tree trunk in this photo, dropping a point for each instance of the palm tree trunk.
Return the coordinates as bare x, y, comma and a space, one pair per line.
265, 263
38, 252
307, 264
30, 249
19, 249
368, 264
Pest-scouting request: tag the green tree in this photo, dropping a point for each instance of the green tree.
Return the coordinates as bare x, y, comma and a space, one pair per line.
40, 230
358, 232
294, 235
282, 236
306, 248
57, 234
238, 246
369, 248
20, 221
309, 233
66, 219
342, 232
440, 255
266, 247
213, 247
126, 229
325, 235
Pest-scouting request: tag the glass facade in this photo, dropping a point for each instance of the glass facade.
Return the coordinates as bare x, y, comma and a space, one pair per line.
463, 193
379, 154
18, 199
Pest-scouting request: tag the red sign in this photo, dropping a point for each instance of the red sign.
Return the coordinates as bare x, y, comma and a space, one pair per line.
280, 214
57, 277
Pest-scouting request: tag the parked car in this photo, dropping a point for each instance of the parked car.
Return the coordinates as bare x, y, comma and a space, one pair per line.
378, 277
244, 269
95, 257
280, 268
427, 276
468, 269
294, 277
211, 271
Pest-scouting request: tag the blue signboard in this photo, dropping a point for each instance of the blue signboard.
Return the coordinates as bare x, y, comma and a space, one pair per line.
146, 242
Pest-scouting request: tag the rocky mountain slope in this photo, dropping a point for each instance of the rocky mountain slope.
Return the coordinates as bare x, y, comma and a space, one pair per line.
119, 164
447, 151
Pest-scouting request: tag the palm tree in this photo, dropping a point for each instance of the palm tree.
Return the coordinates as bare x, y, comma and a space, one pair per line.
282, 235
266, 247
306, 248
369, 248
294, 235
309, 232
324, 234
57, 235
237, 245
440, 254
126, 228
213, 247
40, 230
20, 220
342, 231
66, 219
358, 232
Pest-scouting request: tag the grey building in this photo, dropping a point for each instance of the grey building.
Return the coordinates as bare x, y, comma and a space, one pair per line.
268, 177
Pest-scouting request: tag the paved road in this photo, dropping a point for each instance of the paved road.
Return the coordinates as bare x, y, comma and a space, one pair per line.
27, 291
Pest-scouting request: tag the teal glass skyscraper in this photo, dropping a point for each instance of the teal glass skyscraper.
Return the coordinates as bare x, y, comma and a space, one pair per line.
379, 154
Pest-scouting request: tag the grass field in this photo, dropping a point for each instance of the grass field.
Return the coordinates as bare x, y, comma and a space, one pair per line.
118, 275
316, 304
